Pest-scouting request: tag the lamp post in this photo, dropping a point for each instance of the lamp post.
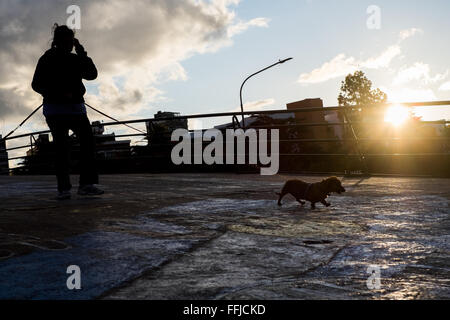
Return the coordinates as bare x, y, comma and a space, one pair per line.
240, 93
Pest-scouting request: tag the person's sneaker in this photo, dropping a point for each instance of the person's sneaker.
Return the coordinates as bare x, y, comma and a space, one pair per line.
89, 190
63, 195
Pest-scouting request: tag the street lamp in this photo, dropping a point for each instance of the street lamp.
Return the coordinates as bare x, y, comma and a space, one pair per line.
240, 93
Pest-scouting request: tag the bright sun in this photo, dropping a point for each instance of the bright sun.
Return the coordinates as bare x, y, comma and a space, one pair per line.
396, 115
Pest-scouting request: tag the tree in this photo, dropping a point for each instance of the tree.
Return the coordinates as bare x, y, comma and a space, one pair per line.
356, 89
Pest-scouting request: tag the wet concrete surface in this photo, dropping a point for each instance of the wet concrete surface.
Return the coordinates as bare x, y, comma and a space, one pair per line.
222, 236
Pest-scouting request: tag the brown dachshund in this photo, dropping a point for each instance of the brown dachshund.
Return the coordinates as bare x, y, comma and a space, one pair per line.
312, 192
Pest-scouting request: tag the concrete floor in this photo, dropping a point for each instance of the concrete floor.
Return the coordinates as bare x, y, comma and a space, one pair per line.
222, 236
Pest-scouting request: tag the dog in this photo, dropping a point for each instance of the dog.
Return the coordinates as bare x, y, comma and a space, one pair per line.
312, 192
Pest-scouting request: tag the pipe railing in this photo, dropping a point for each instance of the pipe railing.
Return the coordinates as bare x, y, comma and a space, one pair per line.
234, 115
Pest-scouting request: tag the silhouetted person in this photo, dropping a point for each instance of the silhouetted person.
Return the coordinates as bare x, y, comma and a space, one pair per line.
58, 78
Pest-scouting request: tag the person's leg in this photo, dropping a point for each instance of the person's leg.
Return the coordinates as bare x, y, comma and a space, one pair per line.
81, 126
60, 132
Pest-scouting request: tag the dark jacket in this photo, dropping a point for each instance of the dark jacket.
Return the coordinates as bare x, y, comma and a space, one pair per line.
58, 76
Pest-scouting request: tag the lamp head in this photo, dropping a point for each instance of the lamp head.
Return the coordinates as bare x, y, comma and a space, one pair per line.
283, 61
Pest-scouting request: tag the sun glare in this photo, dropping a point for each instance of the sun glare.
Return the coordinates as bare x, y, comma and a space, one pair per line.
396, 115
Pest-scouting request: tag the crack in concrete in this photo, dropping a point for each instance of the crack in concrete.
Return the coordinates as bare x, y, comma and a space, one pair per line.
149, 272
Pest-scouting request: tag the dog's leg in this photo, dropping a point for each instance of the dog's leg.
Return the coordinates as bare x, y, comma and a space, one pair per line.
281, 195
325, 203
300, 201
313, 205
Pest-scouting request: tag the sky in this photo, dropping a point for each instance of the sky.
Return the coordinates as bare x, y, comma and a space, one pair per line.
191, 56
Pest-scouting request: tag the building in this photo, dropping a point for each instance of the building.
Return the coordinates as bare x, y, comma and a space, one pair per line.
318, 117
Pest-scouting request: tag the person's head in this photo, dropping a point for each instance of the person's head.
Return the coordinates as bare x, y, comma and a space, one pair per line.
63, 38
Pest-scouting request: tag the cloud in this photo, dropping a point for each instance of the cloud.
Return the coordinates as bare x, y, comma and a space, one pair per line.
258, 105
141, 42
407, 33
255, 105
242, 26
336, 67
409, 94
418, 71
445, 86
341, 65
384, 59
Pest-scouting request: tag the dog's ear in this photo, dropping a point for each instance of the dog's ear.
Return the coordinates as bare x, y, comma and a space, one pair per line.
328, 182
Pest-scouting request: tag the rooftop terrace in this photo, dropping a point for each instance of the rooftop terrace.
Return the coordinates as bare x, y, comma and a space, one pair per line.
222, 236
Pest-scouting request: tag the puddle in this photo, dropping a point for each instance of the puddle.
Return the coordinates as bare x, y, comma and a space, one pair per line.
228, 265
143, 224
280, 228
220, 206
402, 232
106, 259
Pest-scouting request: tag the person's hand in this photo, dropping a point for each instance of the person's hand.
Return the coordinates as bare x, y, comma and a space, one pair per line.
76, 43
79, 49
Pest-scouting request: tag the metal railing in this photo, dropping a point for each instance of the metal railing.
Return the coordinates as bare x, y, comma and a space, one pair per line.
351, 139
